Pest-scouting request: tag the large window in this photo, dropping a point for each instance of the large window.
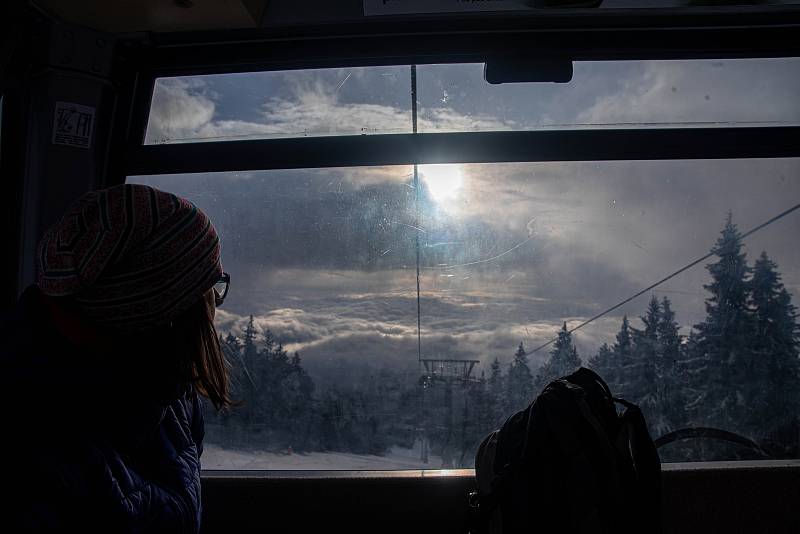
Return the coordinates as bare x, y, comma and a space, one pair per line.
390, 316
455, 98
321, 322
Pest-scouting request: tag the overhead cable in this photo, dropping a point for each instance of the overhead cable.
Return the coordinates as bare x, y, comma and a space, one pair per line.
668, 277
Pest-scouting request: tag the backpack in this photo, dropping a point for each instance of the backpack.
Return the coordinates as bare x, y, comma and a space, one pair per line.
569, 463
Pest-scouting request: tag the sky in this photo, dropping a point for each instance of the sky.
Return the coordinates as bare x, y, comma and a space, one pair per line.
326, 258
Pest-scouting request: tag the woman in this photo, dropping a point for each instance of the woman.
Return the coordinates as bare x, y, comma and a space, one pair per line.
102, 363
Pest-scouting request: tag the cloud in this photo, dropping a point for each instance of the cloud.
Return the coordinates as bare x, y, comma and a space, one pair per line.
599, 231
748, 90
318, 255
456, 98
184, 110
326, 258
356, 348
447, 119
180, 106
342, 336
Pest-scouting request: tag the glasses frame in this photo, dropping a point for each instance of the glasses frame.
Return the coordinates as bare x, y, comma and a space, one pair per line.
219, 299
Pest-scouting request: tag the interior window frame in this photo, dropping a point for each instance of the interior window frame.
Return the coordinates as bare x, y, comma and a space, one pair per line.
194, 54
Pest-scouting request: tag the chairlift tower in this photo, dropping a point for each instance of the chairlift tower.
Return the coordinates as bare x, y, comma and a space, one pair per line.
442, 372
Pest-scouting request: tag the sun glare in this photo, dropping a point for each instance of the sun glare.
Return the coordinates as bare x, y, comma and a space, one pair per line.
443, 180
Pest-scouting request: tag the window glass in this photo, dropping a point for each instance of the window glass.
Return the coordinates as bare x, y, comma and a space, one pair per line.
264, 105
456, 98
616, 94
320, 324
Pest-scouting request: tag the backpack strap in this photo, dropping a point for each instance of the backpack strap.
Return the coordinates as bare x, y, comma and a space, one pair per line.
587, 378
644, 490
710, 433
484, 501
499, 481
567, 435
602, 435
608, 477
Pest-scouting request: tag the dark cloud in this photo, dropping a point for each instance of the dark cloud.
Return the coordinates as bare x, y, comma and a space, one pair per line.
315, 260
327, 258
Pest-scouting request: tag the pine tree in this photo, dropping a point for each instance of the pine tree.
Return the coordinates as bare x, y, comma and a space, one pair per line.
563, 360
232, 420
249, 344
603, 363
722, 341
622, 351
671, 396
774, 373
298, 389
232, 343
496, 394
242, 385
641, 370
520, 381
249, 355
232, 350
281, 394
481, 405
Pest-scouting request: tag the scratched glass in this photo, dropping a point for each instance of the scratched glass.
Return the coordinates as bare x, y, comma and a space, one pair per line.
326, 261
615, 94
456, 98
265, 105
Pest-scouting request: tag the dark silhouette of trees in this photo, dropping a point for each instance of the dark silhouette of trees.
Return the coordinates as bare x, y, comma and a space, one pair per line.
563, 360
738, 370
519, 381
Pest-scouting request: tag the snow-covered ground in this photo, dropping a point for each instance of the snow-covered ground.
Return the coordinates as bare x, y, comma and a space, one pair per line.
215, 457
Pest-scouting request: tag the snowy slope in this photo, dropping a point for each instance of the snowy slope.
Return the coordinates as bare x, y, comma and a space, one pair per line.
215, 457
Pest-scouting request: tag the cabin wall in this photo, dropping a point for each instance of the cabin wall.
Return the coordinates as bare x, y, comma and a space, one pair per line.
697, 498
68, 111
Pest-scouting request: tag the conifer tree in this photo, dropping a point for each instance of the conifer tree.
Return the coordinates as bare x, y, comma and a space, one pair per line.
641, 370
774, 374
249, 343
622, 351
482, 405
520, 380
232, 342
232, 350
496, 394
249, 372
249, 375
671, 396
563, 360
602, 363
298, 389
722, 341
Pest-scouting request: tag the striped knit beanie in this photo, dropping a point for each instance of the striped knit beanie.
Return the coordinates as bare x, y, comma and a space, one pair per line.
133, 257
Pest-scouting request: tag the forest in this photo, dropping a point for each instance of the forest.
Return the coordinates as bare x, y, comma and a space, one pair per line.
738, 370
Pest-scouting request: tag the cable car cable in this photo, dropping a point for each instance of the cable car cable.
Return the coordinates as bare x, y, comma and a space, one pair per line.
668, 277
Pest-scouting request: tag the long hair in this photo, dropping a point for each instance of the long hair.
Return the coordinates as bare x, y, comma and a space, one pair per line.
199, 354
165, 360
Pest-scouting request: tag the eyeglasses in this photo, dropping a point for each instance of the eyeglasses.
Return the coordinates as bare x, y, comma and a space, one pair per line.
221, 288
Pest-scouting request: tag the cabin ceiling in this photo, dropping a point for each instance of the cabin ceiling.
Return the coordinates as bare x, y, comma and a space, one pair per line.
124, 16
164, 16
127, 16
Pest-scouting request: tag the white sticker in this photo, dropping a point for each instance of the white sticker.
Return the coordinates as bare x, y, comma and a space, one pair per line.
73, 125
411, 7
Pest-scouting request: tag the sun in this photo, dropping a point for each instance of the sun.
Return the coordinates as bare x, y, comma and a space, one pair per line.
444, 181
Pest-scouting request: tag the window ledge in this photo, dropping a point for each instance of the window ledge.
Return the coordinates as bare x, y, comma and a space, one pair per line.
760, 465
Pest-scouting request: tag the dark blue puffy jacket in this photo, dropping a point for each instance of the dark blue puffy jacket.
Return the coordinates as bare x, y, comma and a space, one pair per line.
88, 450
